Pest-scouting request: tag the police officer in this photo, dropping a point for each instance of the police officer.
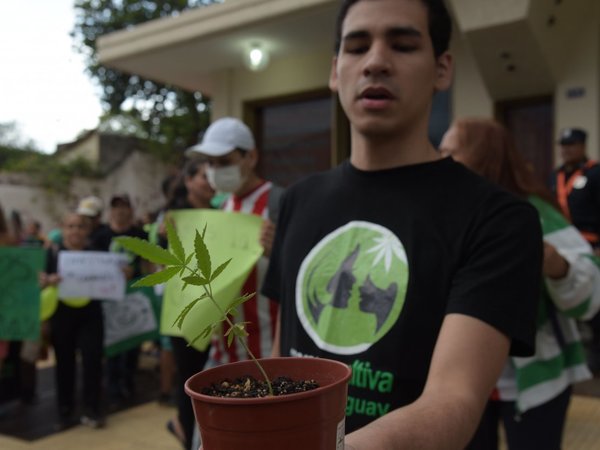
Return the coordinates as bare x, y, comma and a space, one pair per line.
577, 187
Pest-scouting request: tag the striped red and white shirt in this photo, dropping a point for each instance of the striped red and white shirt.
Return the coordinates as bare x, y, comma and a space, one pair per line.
259, 311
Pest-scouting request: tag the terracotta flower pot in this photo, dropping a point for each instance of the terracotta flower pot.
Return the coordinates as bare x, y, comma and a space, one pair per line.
309, 420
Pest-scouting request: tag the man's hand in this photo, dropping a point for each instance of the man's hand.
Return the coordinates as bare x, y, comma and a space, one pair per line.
555, 266
48, 279
468, 357
128, 271
267, 234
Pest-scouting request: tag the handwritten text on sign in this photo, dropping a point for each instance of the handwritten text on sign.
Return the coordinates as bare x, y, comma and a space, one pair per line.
97, 275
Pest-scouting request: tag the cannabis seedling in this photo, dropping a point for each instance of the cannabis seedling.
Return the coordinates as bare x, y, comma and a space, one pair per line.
176, 262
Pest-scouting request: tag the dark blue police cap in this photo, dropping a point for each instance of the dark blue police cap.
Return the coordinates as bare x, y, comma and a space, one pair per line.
572, 136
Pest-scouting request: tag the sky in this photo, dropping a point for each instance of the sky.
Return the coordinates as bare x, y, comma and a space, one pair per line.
43, 86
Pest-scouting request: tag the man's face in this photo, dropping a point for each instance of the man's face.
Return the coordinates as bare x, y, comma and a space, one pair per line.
385, 72
75, 230
246, 162
121, 213
572, 153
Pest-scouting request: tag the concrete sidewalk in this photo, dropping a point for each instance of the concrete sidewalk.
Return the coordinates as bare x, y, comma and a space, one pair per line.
144, 428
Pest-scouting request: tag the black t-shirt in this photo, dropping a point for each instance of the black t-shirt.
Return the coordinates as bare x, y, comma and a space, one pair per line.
103, 241
367, 264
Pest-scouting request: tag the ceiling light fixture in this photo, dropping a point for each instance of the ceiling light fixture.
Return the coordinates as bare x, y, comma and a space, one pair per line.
256, 58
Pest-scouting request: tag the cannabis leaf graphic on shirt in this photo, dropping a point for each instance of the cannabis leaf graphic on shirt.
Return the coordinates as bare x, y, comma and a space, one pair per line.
387, 246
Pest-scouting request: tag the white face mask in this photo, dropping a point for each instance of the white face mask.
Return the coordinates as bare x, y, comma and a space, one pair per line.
225, 179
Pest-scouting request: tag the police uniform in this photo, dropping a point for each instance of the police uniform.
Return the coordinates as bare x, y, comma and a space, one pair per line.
577, 189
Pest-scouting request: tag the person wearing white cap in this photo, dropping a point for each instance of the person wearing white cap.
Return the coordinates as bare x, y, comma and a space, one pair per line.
231, 158
92, 207
229, 147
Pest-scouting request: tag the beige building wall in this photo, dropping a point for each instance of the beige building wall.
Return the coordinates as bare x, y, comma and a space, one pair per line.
88, 149
31, 202
470, 98
140, 176
581, 71
281, 77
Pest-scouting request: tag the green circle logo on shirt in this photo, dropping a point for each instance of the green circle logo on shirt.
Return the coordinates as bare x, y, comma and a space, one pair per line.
351, 287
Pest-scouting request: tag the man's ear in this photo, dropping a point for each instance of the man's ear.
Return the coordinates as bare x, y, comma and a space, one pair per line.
444, 72
333, 75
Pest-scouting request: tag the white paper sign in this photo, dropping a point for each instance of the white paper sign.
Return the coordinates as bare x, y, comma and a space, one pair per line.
96, 275
127, 319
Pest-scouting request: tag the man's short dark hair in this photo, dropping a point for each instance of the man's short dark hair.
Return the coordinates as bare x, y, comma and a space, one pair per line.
192, 167
439, 24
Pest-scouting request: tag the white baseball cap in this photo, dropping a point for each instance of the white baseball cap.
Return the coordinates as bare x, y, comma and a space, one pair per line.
89, 206
223, 136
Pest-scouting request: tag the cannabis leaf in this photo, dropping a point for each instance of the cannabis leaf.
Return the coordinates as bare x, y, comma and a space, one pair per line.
176, 262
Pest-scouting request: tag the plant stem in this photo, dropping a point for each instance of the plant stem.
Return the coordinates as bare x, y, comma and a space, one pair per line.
245, 345
208, 290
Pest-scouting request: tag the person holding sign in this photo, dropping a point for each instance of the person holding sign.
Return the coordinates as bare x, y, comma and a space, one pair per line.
231, 159
76, 326
121, 368
6, 239
231, 156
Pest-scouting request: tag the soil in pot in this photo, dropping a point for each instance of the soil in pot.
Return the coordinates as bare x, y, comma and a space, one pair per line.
249, 387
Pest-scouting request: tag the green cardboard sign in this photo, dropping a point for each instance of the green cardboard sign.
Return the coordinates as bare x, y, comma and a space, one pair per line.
228, 235
20, 292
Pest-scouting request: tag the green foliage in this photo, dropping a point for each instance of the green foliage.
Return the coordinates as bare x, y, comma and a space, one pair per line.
10, 156
50, 173
19, 155
202, 275
11, 138
170, 116
14, 149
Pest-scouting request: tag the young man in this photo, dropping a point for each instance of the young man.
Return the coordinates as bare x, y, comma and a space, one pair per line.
408, 267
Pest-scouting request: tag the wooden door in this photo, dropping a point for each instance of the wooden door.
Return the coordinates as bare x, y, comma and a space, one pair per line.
531, 121
293, 135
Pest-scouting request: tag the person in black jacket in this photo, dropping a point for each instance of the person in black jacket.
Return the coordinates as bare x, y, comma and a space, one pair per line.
576, 184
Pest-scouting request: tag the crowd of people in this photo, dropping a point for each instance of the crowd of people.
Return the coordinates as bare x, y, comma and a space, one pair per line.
456, 271
224, 162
